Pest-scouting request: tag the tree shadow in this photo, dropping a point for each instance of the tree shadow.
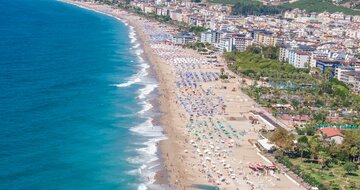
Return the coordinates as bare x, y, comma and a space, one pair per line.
352, 174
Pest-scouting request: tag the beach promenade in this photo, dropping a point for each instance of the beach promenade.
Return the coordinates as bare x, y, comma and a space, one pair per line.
206, 119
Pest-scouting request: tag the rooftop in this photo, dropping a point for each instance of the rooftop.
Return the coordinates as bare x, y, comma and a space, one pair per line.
331, 132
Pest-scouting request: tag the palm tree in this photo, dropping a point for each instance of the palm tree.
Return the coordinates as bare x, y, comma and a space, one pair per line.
327, 73
302, 146
354, 151
323, 158
314, 146
222, 70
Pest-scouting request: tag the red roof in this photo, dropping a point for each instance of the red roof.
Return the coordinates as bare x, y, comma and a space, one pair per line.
286, 117
303, 53
331, 132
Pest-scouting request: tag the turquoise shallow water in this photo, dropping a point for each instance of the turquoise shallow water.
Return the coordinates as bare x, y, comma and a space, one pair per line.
64, 121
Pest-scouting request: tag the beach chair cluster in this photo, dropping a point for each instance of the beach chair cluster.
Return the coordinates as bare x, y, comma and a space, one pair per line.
212, 141
201, 105
193, 78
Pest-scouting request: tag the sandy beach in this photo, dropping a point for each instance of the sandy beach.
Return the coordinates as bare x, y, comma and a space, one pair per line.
206, 119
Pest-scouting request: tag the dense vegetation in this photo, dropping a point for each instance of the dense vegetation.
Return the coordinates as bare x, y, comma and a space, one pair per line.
232, 1
308, 94
197, 30
199, 46
254, 8
320, 162
262, 63
319, 6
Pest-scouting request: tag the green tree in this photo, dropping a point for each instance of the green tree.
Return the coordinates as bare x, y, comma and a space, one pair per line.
310, 130
302, 146
350, 167
354, 152
314, 146
352, 139
295, 103
222, 70
282, 138
323, 158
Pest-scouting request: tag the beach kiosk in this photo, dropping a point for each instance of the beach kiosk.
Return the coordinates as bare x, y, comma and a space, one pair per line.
266, 145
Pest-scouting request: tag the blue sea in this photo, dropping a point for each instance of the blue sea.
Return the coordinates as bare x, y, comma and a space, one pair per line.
75, 112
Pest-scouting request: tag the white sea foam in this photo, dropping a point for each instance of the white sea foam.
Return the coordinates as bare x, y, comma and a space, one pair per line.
132, 34
139, 76
137, 45
146, 107
148, 153
148, 129
142, 187
133, 172
147, 90
136, 78
138, 52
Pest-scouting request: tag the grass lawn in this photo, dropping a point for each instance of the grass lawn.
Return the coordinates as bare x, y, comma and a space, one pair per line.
335, 174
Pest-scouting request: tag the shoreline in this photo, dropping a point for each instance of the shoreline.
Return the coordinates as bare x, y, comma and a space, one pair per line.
183, 166
161, 176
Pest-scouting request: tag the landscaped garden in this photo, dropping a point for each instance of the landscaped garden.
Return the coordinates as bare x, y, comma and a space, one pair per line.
297, 93
318, 161
312, 100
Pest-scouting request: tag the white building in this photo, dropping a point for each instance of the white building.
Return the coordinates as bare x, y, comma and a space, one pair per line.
239, 42
211, 37
226, 44
300, 59
332, 134
182, 38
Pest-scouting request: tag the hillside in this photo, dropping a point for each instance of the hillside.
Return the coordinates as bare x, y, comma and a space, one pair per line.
308, 5
349, 3
233, 1
319, 6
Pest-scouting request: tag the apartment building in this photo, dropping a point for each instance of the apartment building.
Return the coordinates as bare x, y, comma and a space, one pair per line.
211, 37
300, 59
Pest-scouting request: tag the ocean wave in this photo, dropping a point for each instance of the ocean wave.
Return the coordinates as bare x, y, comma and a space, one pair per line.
136, 78
135, 46
146, 107
138, 52
148, 129
132, 34
143, 92
147, 154
142, 187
